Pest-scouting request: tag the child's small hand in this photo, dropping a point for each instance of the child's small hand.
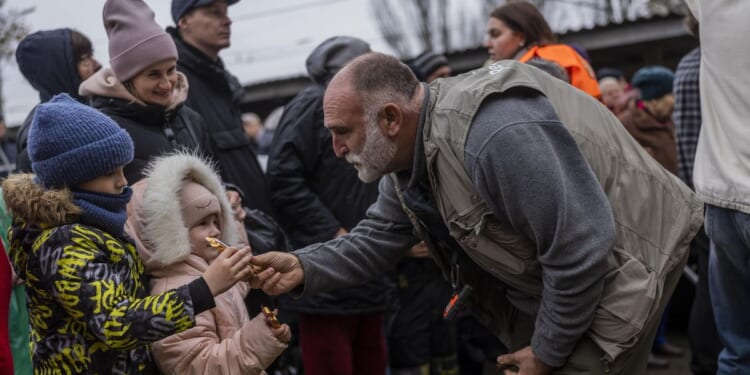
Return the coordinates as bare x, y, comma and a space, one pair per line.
235, 201
283, 333
231, 266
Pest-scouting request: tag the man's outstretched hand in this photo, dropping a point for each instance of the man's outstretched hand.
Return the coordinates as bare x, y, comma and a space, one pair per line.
281, 273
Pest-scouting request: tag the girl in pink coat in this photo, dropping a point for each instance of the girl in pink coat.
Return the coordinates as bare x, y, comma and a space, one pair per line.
173, 210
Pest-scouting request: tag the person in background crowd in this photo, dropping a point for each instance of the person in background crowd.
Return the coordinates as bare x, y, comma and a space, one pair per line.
88, 304
519, 31
142, 89
705, 344
202, 29
628, 91
317, 197
252, 125
612, 94
721, 174
523, 201
261, 134
429, 66
615, 73
180, 203
649, 119
53, 61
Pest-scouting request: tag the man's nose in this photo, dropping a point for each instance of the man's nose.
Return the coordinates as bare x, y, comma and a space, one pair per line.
339, 148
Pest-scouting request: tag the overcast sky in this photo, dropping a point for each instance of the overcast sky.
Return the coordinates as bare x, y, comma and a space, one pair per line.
270, 38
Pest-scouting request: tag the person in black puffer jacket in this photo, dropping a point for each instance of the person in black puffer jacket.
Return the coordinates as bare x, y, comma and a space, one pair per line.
317, 197
144, 93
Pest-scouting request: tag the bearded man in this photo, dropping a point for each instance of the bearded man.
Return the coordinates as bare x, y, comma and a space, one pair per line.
567, 237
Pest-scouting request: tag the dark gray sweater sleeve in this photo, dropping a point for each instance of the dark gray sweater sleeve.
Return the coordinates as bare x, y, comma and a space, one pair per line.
366, 252
530, 171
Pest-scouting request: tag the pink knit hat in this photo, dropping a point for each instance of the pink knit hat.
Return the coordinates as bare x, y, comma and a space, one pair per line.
136, 41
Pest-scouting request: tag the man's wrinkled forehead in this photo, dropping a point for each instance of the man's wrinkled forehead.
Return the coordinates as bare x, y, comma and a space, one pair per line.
341, 104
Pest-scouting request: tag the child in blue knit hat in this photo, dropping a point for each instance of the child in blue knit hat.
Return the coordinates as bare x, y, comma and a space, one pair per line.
88, 301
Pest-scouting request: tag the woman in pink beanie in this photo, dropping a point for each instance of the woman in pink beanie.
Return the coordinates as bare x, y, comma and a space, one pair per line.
142, 90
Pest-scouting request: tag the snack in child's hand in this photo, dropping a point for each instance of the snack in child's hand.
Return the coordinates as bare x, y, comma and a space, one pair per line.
273, 321
220, 246
216, 243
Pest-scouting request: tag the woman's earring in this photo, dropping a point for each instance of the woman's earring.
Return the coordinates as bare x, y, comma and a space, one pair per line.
521, 44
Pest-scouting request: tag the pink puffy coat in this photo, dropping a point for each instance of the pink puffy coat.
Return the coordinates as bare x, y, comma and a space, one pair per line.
224, 340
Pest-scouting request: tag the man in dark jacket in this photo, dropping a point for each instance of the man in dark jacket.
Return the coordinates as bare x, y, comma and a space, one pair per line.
203, 28
53, 61
317, 197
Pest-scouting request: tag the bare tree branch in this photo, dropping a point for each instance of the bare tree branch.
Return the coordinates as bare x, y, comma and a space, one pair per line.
12, 30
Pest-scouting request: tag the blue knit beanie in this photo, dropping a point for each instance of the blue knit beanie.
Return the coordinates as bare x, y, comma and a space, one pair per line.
70, 143
653, 81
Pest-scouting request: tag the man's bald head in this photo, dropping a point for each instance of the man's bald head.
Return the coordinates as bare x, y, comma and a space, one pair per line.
376, 77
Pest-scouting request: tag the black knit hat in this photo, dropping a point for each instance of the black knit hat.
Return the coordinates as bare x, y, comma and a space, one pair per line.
426, 63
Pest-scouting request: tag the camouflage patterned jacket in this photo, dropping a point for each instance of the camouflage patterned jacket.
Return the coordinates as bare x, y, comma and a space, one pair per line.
89, 307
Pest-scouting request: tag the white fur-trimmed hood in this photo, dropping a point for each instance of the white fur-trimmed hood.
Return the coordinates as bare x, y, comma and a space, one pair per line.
154, 213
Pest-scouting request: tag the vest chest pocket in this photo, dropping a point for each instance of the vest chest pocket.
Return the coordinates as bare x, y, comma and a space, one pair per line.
485, 250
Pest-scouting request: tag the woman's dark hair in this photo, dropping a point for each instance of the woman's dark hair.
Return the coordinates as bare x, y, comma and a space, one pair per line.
81, 46
524, 17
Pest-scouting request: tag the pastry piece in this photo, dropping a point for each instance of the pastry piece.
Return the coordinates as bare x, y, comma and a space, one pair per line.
273, 321
220, 246
216, 243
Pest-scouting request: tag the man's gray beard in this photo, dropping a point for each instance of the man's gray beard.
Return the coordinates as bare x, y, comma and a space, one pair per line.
377, 154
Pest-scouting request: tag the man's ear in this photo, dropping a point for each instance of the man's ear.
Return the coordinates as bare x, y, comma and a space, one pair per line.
392, 118
182, 23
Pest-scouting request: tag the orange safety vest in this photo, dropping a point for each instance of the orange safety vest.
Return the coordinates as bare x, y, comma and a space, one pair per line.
580, 72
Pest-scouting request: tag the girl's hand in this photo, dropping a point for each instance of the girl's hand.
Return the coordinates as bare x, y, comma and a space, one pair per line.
235, 201
231, 266
283, 333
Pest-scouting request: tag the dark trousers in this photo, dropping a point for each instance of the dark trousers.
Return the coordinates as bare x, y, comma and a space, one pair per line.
343, 345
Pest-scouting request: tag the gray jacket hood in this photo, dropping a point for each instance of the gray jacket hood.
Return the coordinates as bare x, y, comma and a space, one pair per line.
331, 55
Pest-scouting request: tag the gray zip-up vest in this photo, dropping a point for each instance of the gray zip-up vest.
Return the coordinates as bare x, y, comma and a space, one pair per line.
656, 215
